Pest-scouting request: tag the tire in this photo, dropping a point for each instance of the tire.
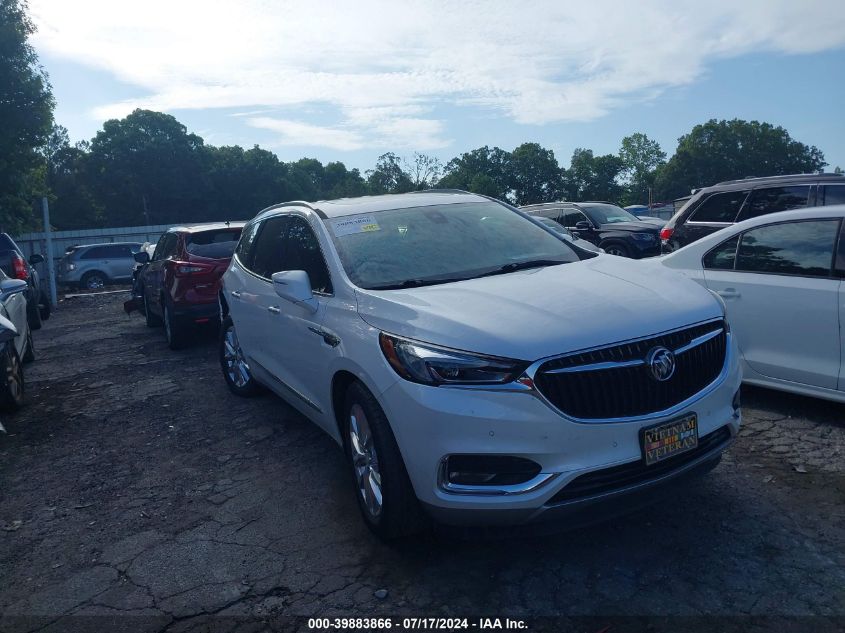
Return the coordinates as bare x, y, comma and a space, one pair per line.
44, 306
174, 329
152, 319
29, 354
615, 248
11, 383
378, 469
33, 315
239, 379
93, 280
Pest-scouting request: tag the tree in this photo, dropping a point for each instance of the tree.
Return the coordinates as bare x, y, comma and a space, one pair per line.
483, 170
424, 171
147, 169
71, 204
640, 157
389, 176
535, 175
591, 177
26, 116
726, 150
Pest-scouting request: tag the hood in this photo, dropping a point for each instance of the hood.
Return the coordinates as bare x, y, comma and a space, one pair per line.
542, 312
633, 227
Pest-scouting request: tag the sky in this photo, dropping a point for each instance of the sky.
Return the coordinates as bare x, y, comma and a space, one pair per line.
349, 81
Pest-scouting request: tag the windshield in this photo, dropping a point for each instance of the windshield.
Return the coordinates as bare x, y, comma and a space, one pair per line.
435, 244
213, 244
607, 213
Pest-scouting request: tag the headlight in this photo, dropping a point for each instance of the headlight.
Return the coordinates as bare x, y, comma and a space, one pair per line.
431, 365
643, 237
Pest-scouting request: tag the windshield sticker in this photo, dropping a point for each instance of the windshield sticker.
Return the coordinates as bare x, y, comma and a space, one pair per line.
348, 226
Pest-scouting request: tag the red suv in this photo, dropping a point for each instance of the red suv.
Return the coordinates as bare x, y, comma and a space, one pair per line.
180, 283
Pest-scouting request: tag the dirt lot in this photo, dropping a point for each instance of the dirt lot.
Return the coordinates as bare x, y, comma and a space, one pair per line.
134, 483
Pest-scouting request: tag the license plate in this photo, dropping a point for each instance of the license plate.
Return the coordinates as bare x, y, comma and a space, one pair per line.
669, 439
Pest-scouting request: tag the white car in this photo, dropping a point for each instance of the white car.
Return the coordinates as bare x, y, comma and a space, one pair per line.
16, 345
476, 368
780, 276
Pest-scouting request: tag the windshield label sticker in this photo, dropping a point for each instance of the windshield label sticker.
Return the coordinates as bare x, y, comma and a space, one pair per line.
348, 226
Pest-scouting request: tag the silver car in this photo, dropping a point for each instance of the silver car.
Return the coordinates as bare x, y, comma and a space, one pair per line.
93, 266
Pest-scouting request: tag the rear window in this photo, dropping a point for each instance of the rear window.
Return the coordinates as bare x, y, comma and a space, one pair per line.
213, 244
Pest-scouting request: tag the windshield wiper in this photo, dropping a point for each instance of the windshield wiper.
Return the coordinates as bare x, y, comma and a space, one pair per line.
514, 266
416, 283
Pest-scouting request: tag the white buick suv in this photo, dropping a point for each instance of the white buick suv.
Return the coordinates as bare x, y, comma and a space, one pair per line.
475, 367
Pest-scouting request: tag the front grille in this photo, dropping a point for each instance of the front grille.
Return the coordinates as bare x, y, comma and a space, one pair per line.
628, 391
618, 477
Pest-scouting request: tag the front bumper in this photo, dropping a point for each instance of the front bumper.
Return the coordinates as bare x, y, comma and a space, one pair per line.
431, 423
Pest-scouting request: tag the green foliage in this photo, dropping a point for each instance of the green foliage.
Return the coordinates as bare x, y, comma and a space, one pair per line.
591, 177
483, 170
726, 150
535, 175
389, 176
640, 157
26, 115
71, 204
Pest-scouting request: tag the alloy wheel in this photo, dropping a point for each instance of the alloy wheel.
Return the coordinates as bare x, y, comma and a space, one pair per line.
365, 461
236, 366
94, 282
615, 250
14, 376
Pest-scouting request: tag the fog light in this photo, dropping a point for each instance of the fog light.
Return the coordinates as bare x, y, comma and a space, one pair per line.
489, 470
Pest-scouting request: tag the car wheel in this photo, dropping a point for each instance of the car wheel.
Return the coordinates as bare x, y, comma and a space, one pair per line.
620, 250
11, 386
44, 306
233, 363
174, 329
33, 315
93, 280
384, 492
29, 354
152, 319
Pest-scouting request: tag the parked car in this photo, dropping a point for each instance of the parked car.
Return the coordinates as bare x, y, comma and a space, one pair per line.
714, 208
567, 235
180, 282
92, 266
780, 276
641, 211
607, 226
16, 345
474, 367
14, 265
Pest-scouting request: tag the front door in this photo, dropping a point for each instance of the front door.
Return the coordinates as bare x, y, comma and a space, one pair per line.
783, 299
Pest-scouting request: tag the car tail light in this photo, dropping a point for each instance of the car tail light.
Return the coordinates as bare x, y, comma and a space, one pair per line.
185, 269
19, 267
666, 233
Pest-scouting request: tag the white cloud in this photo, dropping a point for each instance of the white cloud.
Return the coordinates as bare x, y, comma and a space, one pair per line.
385, 66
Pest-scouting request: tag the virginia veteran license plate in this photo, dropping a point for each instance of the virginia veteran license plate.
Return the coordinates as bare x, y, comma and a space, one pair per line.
669, 439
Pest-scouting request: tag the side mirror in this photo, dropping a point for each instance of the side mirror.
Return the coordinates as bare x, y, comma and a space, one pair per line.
36, 259
10, 287
295, 286
583, 225
142, 257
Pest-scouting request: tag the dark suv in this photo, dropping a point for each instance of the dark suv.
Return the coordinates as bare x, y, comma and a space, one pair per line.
180, 283
15, 265
726, 203
604, 224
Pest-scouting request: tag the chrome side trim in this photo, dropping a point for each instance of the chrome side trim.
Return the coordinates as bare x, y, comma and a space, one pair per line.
286, 387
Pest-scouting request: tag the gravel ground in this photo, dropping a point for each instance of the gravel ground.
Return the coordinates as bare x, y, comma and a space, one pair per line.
134, 484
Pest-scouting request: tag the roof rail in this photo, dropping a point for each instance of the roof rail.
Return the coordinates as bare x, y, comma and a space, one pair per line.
295, 203
810, 176
435, 190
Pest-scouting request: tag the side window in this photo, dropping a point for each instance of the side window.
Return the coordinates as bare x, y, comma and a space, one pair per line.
834, 194
723, 256
551, 214
573, 217
267, 255
96, 252
245, 249
166, 246
303, 253
720, 207
790, 248
773, 199
159, 249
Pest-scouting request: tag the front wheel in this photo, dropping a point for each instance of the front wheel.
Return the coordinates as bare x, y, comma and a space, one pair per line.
33, 315
152, 319
93, 280
619, 250
44, 306
235, 368
11, 387
384, 492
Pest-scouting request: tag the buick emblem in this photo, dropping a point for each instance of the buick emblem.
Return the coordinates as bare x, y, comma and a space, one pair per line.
661, 363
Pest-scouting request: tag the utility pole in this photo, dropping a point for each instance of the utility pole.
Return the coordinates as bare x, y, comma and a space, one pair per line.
51, 271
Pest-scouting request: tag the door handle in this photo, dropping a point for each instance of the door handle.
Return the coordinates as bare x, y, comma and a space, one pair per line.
728, 293
329, 339
274, 310
236, 294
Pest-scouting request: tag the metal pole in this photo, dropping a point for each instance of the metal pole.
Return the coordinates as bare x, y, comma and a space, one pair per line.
51, 271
